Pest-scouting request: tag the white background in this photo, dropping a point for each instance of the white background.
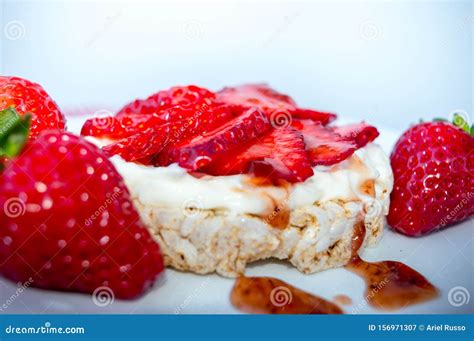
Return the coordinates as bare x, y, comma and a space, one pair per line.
390, 63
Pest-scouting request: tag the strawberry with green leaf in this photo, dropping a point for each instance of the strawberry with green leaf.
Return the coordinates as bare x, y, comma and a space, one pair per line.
433, 167
13, 133
67, 220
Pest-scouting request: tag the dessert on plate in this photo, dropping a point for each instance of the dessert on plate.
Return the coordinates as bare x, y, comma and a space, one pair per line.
228, 178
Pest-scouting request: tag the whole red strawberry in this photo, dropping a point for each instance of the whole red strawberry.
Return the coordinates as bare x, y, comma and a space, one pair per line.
28, 97
433, 167
68, 223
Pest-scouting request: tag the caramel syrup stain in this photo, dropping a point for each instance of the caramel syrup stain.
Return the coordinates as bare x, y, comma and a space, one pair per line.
279, 218
343, 300
266, 295
390, 284
368, 188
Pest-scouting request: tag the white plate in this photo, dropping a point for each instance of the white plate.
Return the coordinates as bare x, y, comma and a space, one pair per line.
444, 257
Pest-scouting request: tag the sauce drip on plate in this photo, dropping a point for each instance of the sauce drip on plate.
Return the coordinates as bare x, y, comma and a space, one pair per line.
342, 299
266, 295
390, 284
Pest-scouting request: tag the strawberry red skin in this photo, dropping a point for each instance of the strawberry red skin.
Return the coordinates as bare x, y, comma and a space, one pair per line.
140, 145
29, 97
272, 102
279, 154
157, 133
119, 127
201, 150
360, 133
184, 96
433, 167
79, 229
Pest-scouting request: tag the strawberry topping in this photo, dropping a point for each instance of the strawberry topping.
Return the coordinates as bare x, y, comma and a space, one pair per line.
184, 96
273, 103
139, 145
360, 133
203, 149
245, 129
279, 154
119, 127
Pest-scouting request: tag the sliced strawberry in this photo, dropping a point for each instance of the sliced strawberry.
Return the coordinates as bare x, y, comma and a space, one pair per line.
273, 103
324, 146
314, 115
139, 145
184, 96
260, 95
192, 120
280, 154
360, 133
152, 136
203, 149
119, 127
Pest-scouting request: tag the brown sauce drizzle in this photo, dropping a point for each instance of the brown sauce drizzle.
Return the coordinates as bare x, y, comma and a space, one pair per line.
390, 284
368, 187
280, 217
266, 295
342, 299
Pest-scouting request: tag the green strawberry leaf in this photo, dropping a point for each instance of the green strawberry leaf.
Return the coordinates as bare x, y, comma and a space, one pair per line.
9, 119
13, 132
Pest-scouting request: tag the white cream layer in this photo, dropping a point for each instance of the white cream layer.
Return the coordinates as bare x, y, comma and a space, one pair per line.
173, 187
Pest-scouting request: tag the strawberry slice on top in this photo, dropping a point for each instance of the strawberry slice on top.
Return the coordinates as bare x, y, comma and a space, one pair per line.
279, 154
360, 133
185, 96
201, 150
119, 127
330, 145
238, 130
273, 103
173, 127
